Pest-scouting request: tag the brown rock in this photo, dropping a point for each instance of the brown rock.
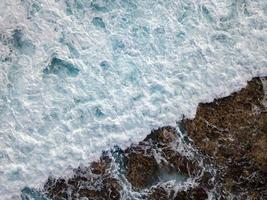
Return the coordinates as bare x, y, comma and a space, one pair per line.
95, 182
192, 194
159, 193
232, 130
162, 136
142, 168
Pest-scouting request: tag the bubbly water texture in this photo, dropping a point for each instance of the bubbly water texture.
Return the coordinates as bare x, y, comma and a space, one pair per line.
79, 76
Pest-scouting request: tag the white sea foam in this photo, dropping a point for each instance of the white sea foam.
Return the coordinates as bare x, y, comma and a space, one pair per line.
123, 67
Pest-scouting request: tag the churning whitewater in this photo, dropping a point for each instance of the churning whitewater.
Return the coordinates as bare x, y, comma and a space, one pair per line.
79, 76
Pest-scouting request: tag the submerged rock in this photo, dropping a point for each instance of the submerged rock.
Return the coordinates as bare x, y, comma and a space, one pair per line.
61, 67
224, 158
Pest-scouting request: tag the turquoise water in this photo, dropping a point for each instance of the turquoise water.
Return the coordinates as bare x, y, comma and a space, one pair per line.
79, 76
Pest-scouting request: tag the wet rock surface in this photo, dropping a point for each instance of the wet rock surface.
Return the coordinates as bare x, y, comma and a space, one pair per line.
94, 182
155, 155
225, 157
232, 131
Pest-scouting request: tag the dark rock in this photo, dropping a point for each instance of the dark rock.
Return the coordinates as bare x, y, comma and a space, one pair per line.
192, 194
163, 136
232, 130
94, 182
142, 167
159, 193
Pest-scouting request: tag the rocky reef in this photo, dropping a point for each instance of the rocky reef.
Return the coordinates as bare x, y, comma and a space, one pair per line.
233, 132
220, 154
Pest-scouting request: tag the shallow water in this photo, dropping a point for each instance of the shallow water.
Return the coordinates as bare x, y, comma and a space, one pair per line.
79, 76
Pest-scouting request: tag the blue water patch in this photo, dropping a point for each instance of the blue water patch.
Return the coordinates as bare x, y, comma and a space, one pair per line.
104, 65
35, 8
97, 7
223, 39
207, 14
61, 67
31, 194
98, 22
24, 45
118, 44
98, 112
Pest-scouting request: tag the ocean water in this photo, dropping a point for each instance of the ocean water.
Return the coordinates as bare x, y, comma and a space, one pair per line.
79, 76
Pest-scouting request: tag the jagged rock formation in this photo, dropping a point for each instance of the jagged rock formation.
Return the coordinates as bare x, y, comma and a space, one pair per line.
225, 156
93, 182
233, 132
